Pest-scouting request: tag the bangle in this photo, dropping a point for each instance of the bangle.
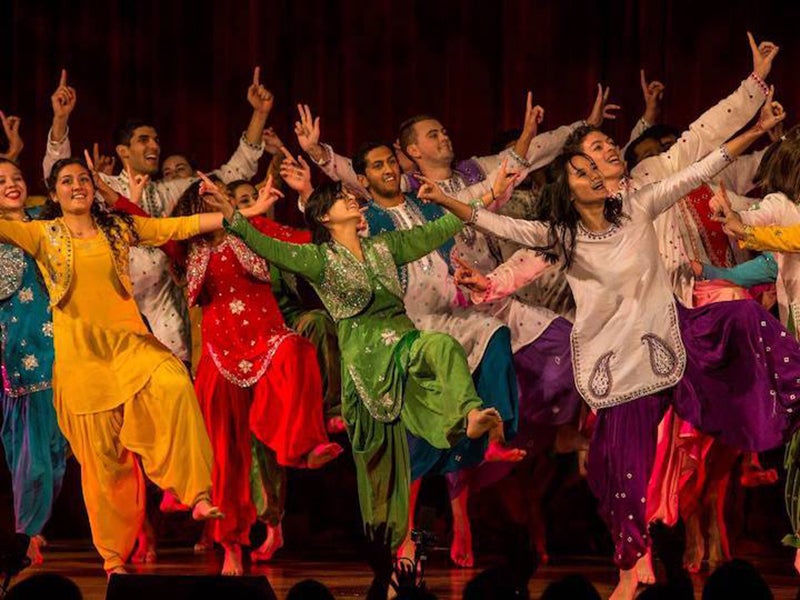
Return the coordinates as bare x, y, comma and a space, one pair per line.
725, 154
520, 159
476, 205
255, 147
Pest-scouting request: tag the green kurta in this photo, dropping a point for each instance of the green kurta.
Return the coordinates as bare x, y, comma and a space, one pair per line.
394, 378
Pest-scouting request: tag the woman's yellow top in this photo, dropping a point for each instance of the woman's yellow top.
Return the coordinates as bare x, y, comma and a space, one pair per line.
104, 353
777, 238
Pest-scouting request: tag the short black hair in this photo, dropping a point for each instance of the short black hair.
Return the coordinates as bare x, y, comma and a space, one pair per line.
407, 135
654, 132
124, 132
360, 157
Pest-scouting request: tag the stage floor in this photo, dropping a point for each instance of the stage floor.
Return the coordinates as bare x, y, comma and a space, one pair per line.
351, 578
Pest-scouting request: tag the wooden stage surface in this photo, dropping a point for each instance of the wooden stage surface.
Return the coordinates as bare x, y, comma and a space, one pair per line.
351, 578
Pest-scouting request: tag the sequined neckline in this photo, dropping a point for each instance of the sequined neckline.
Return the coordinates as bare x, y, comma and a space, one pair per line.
597, 235
350, 252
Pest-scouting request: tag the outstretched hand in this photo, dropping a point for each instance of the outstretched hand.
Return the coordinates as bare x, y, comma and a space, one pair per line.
470, 278
430, 191
533, 117
602, 109
272, 142
215, 196
772, 113
731, 221
763, 55
504, 180
653, 93
136, 184
15, 144
103, 164
110, 196
268, 195
296, 172
259, 97
64, 98
307, 130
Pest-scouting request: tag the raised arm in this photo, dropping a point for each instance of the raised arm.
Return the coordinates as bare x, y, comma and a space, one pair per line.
657, 197
335, 166
716, 124
63, 102
26, 235
774, 238
408, 245
522, 268
243, 164
653, 94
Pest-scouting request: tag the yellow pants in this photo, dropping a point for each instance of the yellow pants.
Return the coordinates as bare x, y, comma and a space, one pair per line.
161, 424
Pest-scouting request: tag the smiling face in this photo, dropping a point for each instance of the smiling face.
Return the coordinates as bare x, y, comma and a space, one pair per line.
431, 144
74, 189
344, 209
382, 172
586, 182
13, 191
605, 154
176, 167
143, 151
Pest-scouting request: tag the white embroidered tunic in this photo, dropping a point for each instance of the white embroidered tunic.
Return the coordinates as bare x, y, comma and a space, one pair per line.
626, 342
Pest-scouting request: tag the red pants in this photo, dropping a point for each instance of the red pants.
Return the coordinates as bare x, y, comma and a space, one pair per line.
283, 410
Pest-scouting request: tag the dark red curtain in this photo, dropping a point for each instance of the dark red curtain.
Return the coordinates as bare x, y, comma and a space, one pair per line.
367, 65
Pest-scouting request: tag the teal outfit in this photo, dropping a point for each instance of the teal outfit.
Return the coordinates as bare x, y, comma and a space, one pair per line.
34, 447
395, 379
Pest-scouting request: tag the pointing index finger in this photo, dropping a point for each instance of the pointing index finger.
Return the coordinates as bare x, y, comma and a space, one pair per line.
256, 75
63, 81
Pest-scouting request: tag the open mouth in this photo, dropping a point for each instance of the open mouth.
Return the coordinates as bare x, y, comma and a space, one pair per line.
613, 159
14, 194
598, 185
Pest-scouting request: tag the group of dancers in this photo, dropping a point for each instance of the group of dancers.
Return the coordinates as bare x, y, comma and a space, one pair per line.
448, 315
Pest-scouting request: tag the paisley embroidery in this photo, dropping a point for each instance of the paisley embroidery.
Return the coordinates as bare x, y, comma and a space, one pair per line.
601, 381
663, 360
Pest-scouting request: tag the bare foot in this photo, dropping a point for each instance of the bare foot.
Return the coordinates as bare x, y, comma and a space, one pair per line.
336, 425
569, 439
271, 545
644, 569
497, 452
626, 588
206, 541
203, 511
756, 476
232, 565
461, 549
323, 454
480, 421
407, 548
170, 503
145, 552
36, 543
120, 570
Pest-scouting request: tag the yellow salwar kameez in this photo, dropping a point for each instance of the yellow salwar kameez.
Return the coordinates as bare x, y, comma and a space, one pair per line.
118, 392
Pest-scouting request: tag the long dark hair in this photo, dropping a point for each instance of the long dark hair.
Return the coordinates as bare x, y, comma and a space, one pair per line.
555, 204
118, 228
779, 170
318, 205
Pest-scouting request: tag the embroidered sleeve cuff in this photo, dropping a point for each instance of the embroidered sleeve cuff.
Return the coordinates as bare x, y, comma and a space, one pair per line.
480, 297
235, 222
762, 85
749, 239
724, 151
51, 143
327, 156
519, 159
248, 144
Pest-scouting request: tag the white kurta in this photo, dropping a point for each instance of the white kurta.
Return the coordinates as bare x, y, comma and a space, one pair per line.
678, 235
626, 342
